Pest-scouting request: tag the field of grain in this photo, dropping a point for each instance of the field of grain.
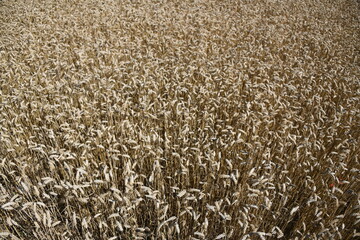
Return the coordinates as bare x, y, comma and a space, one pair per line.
200, 119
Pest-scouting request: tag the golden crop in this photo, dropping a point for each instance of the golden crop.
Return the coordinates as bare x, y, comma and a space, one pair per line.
168, 119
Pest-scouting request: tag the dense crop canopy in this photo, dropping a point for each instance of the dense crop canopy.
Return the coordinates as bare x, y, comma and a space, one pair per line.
196, 119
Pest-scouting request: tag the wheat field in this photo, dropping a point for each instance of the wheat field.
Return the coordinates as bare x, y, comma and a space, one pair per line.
166, 119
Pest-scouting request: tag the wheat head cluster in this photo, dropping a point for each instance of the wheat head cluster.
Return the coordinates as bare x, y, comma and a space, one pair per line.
167, 119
